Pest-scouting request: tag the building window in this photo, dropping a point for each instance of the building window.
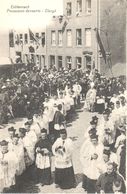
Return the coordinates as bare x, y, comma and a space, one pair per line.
53, 38
69, 38
43, 39
78, 62
25, 38
11, 39
37, 35
21, 38
59, 62
88, 62
78, 37
79, 6
88, 6
42, 61
32, 59
52, 61
69, 62
38, 61
69, 9
18, 57
60, 38
27, 58
88, 37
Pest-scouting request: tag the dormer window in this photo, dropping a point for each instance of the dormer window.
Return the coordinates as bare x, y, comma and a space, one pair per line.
69, 8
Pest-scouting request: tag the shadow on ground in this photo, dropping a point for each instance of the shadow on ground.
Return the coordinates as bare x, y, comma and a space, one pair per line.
28, 185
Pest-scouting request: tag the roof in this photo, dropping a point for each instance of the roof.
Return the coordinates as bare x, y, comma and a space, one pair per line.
5, 61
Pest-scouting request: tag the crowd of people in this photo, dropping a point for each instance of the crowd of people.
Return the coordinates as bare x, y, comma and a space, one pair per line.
47, 99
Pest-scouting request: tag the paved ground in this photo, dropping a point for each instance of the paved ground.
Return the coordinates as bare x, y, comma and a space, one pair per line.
76, 128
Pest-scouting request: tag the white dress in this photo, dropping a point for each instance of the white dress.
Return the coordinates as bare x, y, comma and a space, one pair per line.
63, 160
8, 169
19, 151
90, 166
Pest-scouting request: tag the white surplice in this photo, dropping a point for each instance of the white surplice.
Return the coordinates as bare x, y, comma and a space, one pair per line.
19, 151
8, 170
90, 168
63, 160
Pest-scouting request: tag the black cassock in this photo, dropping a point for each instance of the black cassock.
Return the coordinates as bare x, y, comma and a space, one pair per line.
43, 168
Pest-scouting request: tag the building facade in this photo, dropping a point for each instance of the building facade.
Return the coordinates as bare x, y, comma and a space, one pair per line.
29, 47
71, 37
87, 35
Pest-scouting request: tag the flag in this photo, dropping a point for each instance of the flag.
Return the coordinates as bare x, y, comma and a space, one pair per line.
101, 45
64, 26
32, 37
31, 34
11, 39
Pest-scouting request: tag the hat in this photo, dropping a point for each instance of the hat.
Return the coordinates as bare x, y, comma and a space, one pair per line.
30, 117
95, 118
106, 144
92, 122
122, 128
106, 152
92, 131
63, 131
94, 136
106, 112
43, 130
122, 97
3, 143
61, 93
22, 130
16, 135
11, 129
27, 123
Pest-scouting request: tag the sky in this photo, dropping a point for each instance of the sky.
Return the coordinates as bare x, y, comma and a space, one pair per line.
9, 19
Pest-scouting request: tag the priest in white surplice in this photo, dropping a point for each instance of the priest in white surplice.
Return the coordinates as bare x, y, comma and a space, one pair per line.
8, 166
90, 155
62, 150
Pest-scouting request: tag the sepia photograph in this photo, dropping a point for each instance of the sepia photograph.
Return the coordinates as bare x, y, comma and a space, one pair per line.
63, 96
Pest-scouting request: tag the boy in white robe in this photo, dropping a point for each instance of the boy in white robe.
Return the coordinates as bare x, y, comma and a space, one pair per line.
30, 133
8, 167
35, 126
29, 153
18, 149
9, 139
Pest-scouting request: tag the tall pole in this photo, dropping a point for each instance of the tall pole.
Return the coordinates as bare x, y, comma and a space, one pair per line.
110, 58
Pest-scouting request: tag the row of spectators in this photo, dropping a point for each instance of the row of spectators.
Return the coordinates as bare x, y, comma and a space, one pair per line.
24, 94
